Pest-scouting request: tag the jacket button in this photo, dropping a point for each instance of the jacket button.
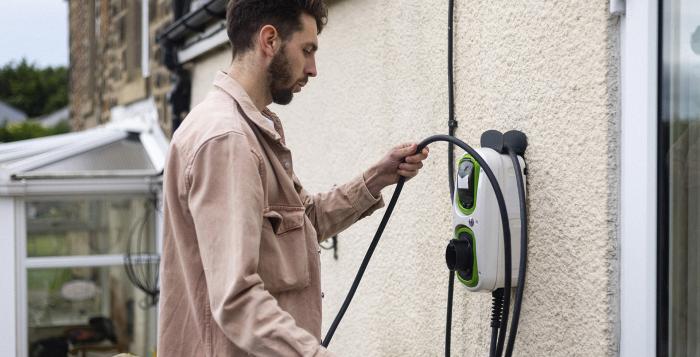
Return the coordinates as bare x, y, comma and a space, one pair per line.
322, 295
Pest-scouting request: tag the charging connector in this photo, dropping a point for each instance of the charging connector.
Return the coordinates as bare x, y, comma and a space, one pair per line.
458, 255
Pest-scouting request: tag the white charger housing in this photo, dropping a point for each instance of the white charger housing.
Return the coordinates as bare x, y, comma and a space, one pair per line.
476, 216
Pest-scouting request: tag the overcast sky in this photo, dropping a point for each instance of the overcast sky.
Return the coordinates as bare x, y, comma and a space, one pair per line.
34, 29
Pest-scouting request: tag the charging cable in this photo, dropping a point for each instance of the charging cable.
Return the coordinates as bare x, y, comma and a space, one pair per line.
514, 149
387, 214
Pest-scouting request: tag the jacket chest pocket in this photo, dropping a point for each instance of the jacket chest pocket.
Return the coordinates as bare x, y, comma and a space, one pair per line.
284, 263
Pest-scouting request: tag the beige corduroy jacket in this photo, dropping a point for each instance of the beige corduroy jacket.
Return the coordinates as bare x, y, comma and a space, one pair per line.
240, 271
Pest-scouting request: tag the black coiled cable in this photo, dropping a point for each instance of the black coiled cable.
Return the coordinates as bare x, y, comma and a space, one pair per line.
140, 267
496, 313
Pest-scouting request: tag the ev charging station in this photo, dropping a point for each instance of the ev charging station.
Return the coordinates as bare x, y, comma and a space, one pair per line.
476, 251
488, 203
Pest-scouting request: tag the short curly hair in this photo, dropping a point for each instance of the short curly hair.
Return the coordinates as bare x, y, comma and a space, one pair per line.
244, 18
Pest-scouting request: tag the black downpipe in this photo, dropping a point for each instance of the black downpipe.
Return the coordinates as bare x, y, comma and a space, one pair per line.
451, 122
179, 96
180, 93
451, 125
181, 8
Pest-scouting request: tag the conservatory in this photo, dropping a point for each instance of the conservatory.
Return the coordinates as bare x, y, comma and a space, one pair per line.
79, 228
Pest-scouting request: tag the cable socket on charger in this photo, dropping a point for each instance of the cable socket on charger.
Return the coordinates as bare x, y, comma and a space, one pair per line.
512, 141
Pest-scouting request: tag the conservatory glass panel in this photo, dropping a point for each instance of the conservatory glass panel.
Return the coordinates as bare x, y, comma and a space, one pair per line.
90, 226
126, 154
680, 162
94, 311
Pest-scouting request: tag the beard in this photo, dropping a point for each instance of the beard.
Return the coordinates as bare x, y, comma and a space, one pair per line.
279, 76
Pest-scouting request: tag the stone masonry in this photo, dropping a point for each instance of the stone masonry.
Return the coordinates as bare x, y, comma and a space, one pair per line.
105, 59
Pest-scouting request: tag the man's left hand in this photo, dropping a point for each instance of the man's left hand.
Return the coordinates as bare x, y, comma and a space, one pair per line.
401, 160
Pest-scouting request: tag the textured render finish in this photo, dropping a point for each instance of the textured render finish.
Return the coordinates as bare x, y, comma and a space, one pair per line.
547, 68
203, 71
550, 69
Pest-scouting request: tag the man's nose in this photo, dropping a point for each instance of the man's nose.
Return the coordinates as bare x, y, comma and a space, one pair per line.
311, 69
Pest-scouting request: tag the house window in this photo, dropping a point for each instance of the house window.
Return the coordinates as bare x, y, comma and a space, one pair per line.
132, 39
678, 282
80, 296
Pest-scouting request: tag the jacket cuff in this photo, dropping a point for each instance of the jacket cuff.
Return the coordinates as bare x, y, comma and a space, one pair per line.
323, 352
362, 200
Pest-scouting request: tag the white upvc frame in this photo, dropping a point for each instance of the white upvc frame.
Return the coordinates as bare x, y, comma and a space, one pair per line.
21, 273
14, 331
8, 278
213, 37
60, 153
145, 43
79, 186
32, 147
76, 261
638, 183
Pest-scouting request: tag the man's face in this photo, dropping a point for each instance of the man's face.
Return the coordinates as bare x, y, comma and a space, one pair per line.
294, 63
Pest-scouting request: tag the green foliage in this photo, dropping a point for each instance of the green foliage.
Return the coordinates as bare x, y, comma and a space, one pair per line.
30, 130
35, 91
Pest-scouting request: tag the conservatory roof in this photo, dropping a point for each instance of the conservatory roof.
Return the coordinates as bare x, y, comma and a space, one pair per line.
131, 145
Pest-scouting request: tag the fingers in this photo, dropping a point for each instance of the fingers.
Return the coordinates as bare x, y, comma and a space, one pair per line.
410, 167
410, 162
407, 174
408, 150
403, 150
418, 157
409, 170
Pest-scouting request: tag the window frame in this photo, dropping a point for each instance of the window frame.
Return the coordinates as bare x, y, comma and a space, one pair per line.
662, 234
19, 335
639, 29
8, 280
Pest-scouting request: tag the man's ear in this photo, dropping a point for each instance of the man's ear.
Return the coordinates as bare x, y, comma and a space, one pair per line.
269, 40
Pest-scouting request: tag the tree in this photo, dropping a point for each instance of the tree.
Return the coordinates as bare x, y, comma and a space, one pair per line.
35, 91
29, 130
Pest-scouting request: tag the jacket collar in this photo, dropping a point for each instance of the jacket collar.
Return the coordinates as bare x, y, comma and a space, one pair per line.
235, 90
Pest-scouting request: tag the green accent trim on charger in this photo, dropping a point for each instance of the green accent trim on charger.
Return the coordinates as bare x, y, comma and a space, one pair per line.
475, 267
477, 169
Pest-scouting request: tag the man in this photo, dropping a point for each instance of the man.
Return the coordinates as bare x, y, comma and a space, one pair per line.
240, 270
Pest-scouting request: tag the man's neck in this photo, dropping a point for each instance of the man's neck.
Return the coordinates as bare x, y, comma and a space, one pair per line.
253, 79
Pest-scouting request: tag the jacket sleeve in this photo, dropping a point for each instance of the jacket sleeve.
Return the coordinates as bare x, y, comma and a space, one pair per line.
333, 211
225, 198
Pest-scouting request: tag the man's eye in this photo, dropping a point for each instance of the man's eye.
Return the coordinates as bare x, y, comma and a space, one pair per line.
307, 51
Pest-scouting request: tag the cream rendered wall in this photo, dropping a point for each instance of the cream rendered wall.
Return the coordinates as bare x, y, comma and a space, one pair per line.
204, 70
547, 68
